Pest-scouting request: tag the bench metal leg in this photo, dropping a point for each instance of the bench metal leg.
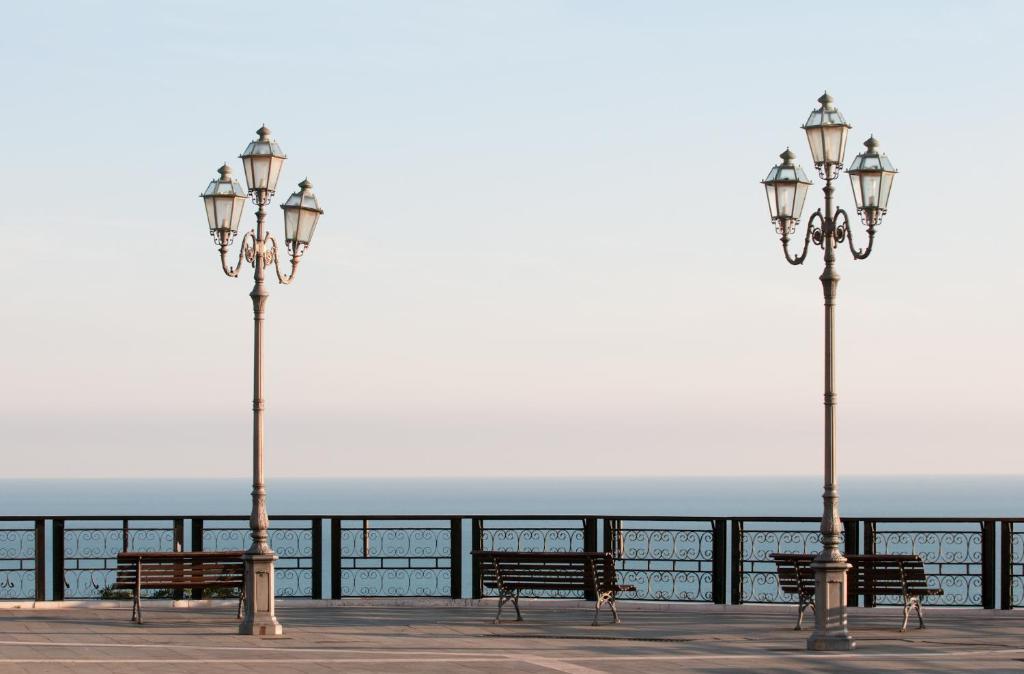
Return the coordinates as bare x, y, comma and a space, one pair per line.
602, 599
920, 618
505, 598
137, 595
241, 599
805, 604
906, 615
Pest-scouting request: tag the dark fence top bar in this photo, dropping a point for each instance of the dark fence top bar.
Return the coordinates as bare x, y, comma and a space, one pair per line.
531, 517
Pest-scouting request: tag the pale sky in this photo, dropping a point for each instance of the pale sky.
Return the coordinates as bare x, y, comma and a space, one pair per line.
545, 251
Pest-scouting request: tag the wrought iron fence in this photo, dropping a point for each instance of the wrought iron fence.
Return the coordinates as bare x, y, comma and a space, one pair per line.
396, 557
668, 559
21, 569
754, 541
976, 561
954, 556
297, 541
1012, 563
87, 550
532, 534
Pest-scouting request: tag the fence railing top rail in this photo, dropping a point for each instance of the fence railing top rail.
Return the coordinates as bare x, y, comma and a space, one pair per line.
506, 517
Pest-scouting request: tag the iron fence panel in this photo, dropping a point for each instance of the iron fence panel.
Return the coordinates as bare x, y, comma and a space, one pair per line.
395, 558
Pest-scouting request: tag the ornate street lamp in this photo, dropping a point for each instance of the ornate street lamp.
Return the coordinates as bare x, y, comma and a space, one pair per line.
871, 174
224, 199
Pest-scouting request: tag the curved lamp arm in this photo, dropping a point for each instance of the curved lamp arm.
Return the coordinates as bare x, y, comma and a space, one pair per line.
799, 259
273, 254
858, 254
247, 251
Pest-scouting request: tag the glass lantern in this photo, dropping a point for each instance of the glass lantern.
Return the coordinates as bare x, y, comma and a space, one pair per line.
262, 160
224, 199
786, 187
301, 213
826, 131
871, 176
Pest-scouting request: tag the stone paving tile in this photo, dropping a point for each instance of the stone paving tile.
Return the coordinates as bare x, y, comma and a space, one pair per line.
462, 640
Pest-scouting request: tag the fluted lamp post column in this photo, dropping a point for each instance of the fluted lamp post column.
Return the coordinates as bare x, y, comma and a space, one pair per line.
224, 199
871, 175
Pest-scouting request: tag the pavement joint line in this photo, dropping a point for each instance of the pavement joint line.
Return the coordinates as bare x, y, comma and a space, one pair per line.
803, 655
190, 646
559, 665
456, 656
263, 661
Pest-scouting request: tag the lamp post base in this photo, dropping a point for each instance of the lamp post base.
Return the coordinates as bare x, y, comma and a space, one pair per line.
830, 631
259, 618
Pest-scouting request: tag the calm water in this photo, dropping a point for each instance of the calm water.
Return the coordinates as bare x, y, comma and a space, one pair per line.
861, 496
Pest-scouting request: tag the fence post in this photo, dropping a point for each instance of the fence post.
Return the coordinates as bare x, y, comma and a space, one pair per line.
335, 558
1006, 565
178, 544
869, 549
40, 562
317, 551
196, 545
718, 557
478, 544
58, 560
608, 530
851, 534
736, 566
589, 545
455, 562
590, 534
988, 563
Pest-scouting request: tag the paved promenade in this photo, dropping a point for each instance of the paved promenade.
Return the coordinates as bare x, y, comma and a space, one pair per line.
554, 638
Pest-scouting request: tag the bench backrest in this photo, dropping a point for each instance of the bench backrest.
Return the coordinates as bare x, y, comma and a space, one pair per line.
795, 574
887, 574
181, 569
547, 570
868, 575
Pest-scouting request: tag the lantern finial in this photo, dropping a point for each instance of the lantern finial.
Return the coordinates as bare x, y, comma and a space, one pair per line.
872, 143
826, 101
263, 132
787, 157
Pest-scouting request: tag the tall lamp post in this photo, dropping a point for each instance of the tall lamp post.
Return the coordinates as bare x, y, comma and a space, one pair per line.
871, 175
225, 199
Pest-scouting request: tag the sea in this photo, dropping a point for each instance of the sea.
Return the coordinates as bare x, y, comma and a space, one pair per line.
720, 496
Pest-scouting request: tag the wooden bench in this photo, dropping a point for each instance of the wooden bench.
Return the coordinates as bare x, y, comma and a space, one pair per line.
901, 575
869, 575
510, 573
796, 577
138, 571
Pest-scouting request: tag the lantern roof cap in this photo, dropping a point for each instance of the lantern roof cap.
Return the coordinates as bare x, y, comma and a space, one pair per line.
871, 160
262, 146
787, 171
827, 115
225, 185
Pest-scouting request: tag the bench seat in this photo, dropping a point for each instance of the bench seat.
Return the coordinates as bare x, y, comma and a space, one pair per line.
511, 573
